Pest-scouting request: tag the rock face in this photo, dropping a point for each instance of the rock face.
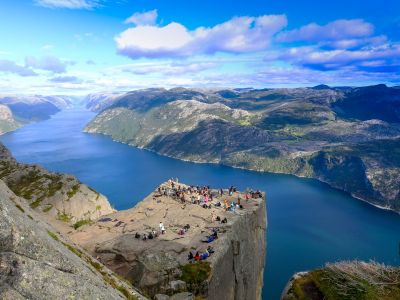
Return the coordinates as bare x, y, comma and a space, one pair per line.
57, 196
346, 280
160, 265
36, 263
321, 132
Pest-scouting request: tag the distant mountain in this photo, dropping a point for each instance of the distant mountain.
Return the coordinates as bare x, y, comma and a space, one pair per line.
17, 110
347, 137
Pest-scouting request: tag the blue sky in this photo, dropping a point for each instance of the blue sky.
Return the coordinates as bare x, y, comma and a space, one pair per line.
83, 46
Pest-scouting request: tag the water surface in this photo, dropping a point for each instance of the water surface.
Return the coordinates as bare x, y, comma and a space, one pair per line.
309, 223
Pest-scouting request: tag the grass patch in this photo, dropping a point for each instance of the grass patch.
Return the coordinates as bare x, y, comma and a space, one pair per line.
72, 192
73, 249
19, 207
53, 235
196, 273
47, 208
30, 217
64, 217
349, 281
81, 223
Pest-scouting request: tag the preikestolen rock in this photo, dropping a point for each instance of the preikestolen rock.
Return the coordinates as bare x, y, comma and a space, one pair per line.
157, 265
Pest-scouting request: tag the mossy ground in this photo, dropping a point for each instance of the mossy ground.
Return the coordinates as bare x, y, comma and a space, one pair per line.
348, 281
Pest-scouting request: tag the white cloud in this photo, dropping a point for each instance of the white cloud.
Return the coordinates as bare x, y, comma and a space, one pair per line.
8, 66
47, 63
146, 18
238, 35
168, 68
71, 4
333, 31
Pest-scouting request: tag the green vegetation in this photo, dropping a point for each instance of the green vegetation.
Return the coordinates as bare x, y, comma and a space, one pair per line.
348, 281
19, 207
62, 216
196, 273
47, 208
53, 235
74, 189
81, 223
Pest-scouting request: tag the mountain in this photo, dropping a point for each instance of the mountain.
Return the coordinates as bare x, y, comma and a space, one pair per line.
18, 110
323, 133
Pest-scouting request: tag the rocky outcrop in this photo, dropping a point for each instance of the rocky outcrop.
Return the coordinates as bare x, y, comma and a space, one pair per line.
346, 280
37, 263
160, 265
59, 197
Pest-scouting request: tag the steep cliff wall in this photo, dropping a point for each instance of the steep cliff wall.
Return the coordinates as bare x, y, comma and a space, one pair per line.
238, 267
161, 266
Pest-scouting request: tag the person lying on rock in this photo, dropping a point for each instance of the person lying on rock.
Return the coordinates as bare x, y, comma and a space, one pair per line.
197, 256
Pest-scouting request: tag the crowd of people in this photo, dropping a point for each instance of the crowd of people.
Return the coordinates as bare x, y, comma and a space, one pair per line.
203, 196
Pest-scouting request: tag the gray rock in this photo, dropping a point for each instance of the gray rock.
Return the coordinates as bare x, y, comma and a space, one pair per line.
182, 296
161, 297
177, 285
34, 262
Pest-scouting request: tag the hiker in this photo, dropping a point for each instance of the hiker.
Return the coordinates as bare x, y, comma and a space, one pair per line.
144, 237
224, 220
137, 235
162, 228
150, 236
210, 250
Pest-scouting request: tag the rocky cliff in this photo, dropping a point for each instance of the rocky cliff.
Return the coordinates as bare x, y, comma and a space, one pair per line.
160, 267
37, 263
60, 198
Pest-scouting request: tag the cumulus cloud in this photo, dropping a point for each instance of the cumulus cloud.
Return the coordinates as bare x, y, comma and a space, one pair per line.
334, 31
71, 4
8, 66
65, 79
146, 18
48, 63
238, 35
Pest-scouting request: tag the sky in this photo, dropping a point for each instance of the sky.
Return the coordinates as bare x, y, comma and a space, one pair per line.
86, 46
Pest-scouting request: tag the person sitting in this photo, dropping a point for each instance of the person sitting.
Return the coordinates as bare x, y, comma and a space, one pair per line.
210, 250
137, 235
144, 237
215, 234
210, 239
218, 204
186, 227
197, 256
190, 256
150, 236
224, 220
218, 218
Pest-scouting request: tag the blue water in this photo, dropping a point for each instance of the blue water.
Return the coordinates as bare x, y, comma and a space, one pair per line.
309, 223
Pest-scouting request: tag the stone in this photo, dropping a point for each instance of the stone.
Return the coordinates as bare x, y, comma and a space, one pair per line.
182, 296
161, 297
177, 285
